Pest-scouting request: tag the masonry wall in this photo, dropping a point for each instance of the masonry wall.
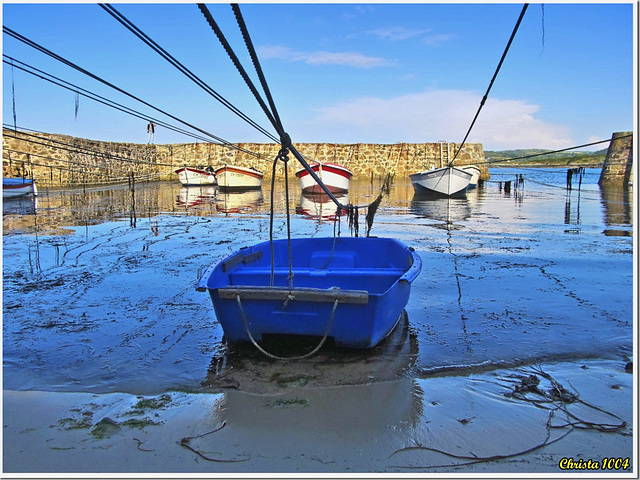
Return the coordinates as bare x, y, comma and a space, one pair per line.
59, 160
618, 164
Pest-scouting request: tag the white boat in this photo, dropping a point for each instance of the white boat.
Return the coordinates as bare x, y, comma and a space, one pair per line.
447, 181
475, 172
334, 176
231, 177
18, 187
195, 176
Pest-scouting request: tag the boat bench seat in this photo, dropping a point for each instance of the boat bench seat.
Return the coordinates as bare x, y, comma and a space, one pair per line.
371, 279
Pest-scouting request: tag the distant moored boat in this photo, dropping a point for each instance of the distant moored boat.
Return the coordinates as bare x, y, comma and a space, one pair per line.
334, 176
475, 174
231, 177
195, 176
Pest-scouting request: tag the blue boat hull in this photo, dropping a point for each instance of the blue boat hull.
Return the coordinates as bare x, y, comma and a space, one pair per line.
369, 277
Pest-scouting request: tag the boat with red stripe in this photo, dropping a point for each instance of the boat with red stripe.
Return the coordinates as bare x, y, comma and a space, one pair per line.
334, 176
232, 177
196, 176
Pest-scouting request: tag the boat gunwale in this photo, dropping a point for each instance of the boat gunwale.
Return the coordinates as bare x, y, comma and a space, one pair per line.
329, 167
241, 170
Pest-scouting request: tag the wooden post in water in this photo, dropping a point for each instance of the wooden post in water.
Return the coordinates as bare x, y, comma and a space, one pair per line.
618, 164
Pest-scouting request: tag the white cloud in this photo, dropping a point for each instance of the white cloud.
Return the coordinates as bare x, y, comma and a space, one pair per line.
437, 39
396, 33
352, 59
432, 116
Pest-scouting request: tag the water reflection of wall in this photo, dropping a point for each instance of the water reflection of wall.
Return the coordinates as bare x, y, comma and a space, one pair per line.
618, 210
89, 206
58, 208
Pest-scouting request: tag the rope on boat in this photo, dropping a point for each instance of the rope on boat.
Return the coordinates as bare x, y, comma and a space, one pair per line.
282, 155
276, 357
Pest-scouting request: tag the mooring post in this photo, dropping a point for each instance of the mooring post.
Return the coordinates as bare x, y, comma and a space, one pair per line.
618, 164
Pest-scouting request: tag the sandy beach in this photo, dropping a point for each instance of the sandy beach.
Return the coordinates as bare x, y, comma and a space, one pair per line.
294, 430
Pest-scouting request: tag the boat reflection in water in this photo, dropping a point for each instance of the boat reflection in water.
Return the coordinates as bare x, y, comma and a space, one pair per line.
319, 206
196, 195
240, 366
446, 211
253, 383
240, 201
25, 205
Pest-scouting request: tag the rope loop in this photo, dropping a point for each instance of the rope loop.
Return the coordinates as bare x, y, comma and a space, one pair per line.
283, 155
276, 357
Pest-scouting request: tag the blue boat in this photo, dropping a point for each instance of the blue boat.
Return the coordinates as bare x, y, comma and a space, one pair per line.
353, 290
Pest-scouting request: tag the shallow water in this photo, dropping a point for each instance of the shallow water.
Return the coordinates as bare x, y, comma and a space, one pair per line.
99, 284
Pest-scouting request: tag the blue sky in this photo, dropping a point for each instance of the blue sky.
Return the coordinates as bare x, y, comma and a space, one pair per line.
343, 73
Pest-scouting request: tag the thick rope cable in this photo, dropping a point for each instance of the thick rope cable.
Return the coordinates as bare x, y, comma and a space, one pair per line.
55, 56
227, 47
285, 160
484, 98
285, 140
188, 73
256, 64
31, 70
271, 217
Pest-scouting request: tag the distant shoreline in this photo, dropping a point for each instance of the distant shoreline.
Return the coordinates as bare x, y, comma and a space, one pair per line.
546, 165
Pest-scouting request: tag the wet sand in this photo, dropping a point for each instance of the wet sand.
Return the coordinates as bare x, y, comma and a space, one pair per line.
101, 321
345, 429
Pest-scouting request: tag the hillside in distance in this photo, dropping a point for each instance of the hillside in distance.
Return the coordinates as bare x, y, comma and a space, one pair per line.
538, 157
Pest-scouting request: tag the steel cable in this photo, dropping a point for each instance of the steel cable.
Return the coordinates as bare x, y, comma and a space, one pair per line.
484, 99
163, 53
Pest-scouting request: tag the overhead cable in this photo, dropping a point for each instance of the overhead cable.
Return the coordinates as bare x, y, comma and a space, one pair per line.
93, 96
44, 50
557, 151
173, 61
484, 99
76, 149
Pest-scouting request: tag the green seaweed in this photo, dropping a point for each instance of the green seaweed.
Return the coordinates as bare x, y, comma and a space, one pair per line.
152, 403
139, 423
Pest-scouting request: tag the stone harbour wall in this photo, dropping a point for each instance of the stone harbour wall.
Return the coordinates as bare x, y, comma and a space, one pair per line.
58, 160
618, 164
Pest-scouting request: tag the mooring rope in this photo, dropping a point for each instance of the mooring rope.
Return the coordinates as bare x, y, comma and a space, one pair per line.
484, 98
276, 357
173, 61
